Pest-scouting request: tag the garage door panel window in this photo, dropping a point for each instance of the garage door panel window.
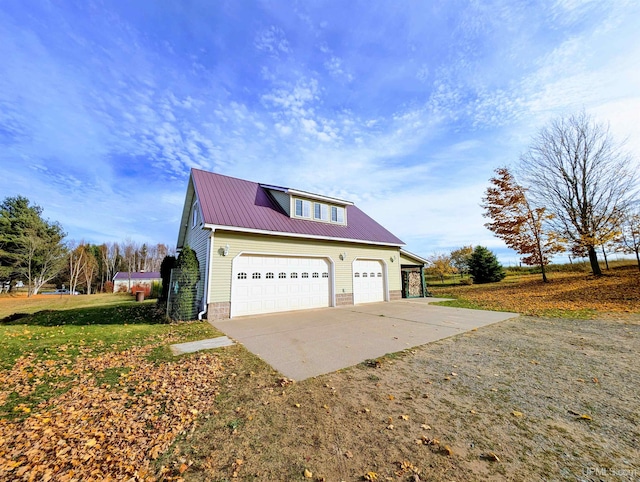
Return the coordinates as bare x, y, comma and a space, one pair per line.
275, 284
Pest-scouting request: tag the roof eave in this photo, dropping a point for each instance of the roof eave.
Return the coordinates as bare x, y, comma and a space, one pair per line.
216, 227
409, 254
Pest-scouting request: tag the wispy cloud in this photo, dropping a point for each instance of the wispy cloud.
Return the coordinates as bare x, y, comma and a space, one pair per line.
403, 110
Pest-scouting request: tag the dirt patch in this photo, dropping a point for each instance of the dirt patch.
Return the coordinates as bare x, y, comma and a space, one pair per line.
525, 399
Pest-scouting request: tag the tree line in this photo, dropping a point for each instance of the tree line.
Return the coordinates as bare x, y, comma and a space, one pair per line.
33, 251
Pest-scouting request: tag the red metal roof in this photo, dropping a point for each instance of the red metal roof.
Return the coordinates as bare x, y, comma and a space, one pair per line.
228, 201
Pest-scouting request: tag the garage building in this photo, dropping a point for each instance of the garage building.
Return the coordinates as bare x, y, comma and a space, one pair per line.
264, 249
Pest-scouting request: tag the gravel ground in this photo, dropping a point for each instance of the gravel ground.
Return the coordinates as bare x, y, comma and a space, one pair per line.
525, 399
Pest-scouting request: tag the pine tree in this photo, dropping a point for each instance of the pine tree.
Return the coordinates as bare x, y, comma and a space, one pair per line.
484, 266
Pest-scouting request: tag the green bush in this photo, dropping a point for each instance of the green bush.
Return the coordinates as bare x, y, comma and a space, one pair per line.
186, 276
484, 266
156, 289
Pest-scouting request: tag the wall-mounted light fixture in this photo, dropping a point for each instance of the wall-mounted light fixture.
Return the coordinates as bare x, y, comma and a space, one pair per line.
343, 256
393, 258
225, 251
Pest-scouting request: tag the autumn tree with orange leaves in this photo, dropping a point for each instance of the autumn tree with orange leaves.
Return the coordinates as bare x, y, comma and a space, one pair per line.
522, 226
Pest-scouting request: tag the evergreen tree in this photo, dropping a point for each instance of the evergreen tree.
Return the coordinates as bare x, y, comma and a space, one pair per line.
484, 266
186, 277
31, 247
168, 263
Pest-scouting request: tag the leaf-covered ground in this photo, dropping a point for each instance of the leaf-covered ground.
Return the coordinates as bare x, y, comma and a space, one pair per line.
567, 294
82, 401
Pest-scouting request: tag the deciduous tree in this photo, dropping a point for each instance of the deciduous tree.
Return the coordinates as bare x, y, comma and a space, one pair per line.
628, 241
30, 246
460, 259
523, 227
584, 177
440, 265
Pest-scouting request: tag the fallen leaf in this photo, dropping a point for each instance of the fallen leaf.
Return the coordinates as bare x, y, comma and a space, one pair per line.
370, 476
404, 417
517, 414
584, 417
491, 457
308, 474
348, 454
446, 450
391, 397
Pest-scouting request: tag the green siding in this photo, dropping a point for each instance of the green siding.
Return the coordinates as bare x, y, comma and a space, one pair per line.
220, 284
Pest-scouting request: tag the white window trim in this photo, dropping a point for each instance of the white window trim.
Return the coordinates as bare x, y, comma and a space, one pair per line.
195, 215
326, 211
305, 203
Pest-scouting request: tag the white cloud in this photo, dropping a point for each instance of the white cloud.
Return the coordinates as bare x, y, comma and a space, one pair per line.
272, 40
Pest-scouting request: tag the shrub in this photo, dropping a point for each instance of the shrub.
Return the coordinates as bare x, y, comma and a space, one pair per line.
141, 287
156, 289
108, 287
484, 266
186, 276
466, 281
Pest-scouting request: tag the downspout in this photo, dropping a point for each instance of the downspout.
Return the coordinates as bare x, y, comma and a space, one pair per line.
205, 298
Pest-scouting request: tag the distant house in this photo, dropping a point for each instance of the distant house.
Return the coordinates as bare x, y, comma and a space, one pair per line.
264, 248
124, 281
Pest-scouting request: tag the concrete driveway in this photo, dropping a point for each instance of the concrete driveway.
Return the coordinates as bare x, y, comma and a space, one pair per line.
304, 344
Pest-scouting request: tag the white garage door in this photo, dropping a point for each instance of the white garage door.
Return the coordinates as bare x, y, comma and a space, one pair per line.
368, 281
266, 284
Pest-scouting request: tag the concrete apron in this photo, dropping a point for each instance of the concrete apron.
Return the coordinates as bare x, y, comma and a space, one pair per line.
304, 344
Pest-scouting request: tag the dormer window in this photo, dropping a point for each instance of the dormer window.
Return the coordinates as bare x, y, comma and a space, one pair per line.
303, 208
324, 212
337, 214
320, 212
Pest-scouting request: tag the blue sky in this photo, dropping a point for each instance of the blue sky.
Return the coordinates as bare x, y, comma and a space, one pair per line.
405, 108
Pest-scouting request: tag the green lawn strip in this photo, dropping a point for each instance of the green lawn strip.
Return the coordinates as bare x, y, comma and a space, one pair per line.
462, 303
62, 344
123, 312
26, 305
